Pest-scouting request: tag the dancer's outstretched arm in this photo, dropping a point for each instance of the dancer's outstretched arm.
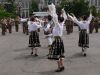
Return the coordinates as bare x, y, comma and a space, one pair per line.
52, 9
52, 12
90, 18
64, 15
74, 19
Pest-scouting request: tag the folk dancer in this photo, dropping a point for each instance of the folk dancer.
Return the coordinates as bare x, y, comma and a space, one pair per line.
48, 31
28, 23
34, 36
84, 31
57, 47
69, 26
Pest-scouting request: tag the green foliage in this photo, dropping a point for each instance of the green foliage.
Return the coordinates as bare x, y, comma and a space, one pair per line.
34, 7
81, 8
1, 7
98, 13
78, 7
11, 1
93, 10
4, 13
12, 6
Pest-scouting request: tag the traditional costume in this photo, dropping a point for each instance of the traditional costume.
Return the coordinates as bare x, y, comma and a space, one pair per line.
34, 36
84, 30
57, 48
48, 31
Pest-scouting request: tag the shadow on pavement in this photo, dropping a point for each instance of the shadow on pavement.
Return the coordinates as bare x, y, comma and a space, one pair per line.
21, 49
29, 57
77, 55
52, 72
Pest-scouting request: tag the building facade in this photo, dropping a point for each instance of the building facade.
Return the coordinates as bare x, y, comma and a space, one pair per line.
44, 3
95, 3
23, 6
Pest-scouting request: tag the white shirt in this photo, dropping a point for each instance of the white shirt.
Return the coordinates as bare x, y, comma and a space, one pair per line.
58, 29
47, 27
33, 26
28, 22
23, 19
82, 24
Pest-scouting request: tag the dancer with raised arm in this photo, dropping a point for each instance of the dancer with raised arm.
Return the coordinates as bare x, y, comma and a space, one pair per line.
48, 27
84, 31
57, 49
34, 36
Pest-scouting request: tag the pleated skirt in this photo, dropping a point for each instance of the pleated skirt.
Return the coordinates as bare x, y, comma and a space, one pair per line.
57, 49
34, 39
83, 38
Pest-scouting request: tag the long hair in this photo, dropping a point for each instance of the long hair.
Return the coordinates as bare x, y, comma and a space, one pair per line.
49, 17
84, 17
32, 19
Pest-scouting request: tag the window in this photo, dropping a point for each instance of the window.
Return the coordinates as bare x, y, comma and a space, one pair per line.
96, 2
46, 2
99, 3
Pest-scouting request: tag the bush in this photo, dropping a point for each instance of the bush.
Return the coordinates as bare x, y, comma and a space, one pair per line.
4, 14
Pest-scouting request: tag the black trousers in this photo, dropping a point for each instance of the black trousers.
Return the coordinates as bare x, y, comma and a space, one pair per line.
17, 26
3, 26
10, 28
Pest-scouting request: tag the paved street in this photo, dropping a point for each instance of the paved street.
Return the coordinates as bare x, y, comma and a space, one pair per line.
15, 58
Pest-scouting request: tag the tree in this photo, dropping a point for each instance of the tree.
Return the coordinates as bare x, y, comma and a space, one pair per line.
11, 6
4, 13
78, 7
1, 7
94, 12
34, 7
98, 14
11, 1
67, 5
81, 7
